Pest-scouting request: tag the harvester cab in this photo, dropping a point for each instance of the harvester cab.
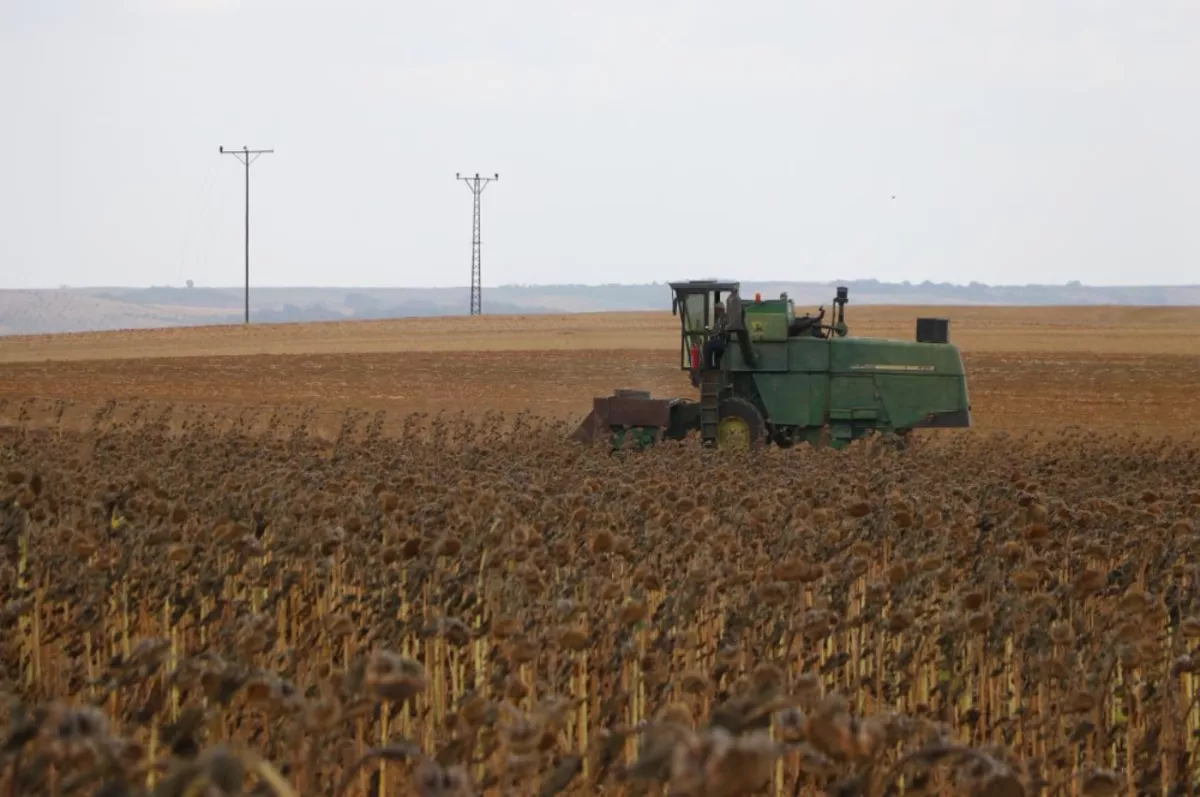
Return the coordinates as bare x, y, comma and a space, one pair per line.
767, 375
695, 303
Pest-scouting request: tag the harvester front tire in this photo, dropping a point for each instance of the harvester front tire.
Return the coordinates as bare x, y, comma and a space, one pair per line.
740, 426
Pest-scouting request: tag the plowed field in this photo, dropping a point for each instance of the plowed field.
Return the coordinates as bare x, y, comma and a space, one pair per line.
1039, 368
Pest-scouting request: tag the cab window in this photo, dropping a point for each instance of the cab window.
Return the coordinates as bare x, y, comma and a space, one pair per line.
694, 312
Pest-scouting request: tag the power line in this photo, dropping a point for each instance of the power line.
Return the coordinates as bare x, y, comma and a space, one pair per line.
476, 184
244, 155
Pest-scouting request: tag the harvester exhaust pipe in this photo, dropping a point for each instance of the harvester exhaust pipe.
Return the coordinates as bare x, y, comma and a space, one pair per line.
843, 296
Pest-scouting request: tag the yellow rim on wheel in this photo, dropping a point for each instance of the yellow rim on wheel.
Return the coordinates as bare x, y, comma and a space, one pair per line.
733, 433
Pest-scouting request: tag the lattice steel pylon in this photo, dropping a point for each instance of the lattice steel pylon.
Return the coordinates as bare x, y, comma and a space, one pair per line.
476, 184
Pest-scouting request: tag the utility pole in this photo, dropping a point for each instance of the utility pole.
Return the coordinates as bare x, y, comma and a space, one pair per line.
247, 157
476, 184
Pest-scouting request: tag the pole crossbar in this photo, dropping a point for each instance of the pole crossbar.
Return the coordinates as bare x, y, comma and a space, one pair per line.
244, 157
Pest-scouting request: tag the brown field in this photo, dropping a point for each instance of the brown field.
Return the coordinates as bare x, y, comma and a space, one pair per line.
235, 563
1045, 368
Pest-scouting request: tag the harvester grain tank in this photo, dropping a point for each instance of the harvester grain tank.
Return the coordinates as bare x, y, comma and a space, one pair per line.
775, 377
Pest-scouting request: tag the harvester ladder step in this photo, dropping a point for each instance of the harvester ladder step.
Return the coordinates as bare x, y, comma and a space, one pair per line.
710, 398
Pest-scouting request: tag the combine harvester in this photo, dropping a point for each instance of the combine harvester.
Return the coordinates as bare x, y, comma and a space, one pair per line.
776, 377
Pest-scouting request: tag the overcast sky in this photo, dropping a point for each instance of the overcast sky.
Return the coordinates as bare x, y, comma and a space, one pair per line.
1004, 142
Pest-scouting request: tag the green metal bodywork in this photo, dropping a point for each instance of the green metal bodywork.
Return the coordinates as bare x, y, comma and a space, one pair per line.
856, 385
769, 321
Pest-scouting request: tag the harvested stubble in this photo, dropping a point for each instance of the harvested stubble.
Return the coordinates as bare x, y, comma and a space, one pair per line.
479, 608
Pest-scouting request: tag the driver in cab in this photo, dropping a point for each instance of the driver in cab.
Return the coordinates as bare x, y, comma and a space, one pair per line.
715, 346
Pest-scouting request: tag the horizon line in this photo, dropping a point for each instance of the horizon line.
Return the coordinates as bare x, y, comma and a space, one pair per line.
532, 285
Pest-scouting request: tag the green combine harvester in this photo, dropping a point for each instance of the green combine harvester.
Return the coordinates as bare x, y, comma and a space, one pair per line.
770, 376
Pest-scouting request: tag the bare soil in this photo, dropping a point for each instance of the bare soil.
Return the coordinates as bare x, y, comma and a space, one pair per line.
1046, 368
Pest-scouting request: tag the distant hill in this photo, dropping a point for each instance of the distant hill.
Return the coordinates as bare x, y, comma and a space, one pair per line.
108, 308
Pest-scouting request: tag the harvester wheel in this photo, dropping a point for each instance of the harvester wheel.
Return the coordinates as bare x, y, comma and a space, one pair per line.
741, 426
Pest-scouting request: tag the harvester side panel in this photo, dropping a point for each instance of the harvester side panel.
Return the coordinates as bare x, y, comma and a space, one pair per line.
854, 398
914, 384
869, 355
771, 356
795, 399
791, 380
808, 354
910, 400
